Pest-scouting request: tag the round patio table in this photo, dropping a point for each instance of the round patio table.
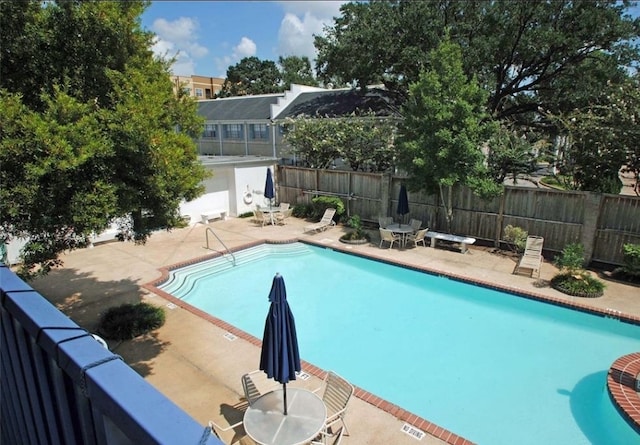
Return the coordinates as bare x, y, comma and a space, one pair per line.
265, 422
401, 229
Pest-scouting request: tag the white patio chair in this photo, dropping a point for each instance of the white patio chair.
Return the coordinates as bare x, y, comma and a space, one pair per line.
415, 224
282, 215
418, 237
259, 217
336, 396
388, 236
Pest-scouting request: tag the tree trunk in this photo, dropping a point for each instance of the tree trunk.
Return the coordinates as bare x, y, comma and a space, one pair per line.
447, 204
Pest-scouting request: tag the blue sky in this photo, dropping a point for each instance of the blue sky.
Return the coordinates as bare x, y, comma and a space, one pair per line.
210, 36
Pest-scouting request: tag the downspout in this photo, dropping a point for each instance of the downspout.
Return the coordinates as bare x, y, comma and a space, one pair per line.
246, 138
273, 130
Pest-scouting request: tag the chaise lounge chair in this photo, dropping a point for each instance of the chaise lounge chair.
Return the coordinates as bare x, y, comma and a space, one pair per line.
326, 221
532, 256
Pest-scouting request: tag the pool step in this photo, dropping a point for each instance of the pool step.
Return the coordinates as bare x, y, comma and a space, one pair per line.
184, 278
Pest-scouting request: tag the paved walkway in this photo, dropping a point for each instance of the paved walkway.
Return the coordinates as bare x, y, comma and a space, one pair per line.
191, 361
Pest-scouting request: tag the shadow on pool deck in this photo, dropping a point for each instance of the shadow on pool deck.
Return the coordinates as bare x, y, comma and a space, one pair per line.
190, 360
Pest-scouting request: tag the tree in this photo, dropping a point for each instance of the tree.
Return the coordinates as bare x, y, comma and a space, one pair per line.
251, 76
363, 142
444, 127
515, 49
510, 154
294, 69
601, 139
104, 139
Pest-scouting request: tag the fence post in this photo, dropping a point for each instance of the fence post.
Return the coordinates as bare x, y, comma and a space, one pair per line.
592, 209
385, 193
500, 219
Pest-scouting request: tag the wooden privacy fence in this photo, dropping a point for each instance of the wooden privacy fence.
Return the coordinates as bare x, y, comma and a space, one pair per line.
603, 223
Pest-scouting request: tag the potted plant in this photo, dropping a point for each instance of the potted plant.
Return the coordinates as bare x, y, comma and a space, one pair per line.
358, 235
573, 279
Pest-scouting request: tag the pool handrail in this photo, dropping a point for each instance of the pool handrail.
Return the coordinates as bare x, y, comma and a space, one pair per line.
209, 229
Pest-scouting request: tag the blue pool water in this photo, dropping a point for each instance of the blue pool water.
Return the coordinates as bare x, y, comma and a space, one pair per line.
489, 366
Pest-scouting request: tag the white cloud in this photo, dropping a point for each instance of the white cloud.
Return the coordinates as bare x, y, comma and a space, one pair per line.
179, 39
301, 22
245, 48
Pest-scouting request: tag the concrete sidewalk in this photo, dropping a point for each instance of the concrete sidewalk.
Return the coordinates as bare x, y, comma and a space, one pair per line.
191, 361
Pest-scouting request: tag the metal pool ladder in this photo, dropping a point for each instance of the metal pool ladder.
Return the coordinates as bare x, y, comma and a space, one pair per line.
209, 229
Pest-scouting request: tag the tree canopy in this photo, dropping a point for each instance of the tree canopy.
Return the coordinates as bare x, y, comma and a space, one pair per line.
517, 50
90, 130
253, 76
362, 142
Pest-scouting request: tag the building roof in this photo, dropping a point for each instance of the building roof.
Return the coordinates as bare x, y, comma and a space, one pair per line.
240, 108
342, 102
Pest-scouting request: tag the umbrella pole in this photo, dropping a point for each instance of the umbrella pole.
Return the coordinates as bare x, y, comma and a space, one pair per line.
284, 387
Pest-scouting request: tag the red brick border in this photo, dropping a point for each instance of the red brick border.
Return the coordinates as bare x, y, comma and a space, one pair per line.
621, 383
625, 398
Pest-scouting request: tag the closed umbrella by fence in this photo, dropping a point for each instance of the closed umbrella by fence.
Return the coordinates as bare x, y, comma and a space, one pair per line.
403, 202
269, 190
279, 357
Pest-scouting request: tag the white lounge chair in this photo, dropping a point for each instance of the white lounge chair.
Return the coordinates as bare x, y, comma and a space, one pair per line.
326, 221
388, 236
532, 256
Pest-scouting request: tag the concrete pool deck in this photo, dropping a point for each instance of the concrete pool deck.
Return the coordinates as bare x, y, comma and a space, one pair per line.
190, 360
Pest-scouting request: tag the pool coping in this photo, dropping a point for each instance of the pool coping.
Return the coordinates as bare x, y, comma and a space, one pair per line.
622, 392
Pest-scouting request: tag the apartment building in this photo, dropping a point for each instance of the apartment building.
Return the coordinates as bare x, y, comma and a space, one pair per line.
198, 87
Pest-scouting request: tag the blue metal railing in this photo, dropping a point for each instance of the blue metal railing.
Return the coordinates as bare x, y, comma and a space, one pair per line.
58, 385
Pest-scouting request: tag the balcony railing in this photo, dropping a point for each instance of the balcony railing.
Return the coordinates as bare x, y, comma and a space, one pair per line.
58, 385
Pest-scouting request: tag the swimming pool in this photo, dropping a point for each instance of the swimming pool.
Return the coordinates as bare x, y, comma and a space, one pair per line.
489, 366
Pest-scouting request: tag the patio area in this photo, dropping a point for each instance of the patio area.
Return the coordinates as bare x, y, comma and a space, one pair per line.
191, 360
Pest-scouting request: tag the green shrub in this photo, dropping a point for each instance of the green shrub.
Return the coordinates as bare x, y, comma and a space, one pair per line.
571, 259
631, 260
579, 285
358, 230
302, 211
322, 203
246, 215
130, 320
516, 237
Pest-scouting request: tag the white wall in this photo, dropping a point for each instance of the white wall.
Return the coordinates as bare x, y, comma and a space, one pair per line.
216, 196
225, 190
251, 180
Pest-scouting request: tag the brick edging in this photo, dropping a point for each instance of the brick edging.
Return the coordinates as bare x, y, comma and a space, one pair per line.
632, 413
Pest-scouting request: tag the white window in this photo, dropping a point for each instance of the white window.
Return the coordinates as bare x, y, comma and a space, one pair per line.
233, 131
259, 131
210, 130
199, 92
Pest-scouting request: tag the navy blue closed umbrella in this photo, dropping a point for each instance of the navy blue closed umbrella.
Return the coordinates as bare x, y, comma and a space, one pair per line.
403, 201
279, 357
269, 190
